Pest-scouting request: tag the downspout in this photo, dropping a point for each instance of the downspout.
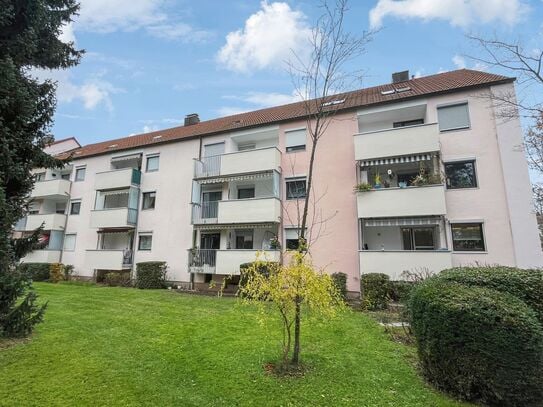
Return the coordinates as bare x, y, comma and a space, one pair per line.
191, 278
67, 210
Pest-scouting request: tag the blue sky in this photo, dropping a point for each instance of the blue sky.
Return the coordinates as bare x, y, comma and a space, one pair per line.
151, 62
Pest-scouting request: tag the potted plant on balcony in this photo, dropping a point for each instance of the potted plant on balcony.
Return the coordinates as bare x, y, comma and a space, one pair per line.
377, 181
362, 187
274, 243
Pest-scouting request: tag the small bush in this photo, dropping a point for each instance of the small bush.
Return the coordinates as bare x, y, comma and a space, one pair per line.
375, 289
36, 271
478, 343
68, 271
151, 274
56, 272
524, 284
399, 290
116, 278
340, 281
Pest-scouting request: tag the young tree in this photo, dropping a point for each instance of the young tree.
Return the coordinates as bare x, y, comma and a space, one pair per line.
287, 287
29, 31
319, 80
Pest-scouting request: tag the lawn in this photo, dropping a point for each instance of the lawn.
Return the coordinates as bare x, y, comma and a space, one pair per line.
127, 347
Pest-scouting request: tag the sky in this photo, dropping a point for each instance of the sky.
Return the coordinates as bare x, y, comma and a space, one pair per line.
148, 63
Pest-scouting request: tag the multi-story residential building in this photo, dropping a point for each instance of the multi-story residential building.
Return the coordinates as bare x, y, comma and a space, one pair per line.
442, 181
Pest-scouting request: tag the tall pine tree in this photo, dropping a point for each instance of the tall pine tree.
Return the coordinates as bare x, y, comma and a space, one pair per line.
29, 38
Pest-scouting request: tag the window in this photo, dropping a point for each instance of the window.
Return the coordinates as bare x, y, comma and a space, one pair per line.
75, 207
453, 117
80, 174
60, 207
152, 163
296, 188
246, 192
40, 176
69, 242
408, 123
145, 242
292, 237
65, 176
148, 200
418, 238
244, 239
295, 140
246, 146
468, 237
461, 174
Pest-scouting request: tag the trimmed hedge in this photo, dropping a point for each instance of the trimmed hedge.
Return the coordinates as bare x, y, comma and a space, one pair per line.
375, 290
478, 343
151, 274
116, 278
36, 271
340, 281
399, 290
524, 284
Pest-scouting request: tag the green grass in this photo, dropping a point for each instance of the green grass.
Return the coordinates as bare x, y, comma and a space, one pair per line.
127, 347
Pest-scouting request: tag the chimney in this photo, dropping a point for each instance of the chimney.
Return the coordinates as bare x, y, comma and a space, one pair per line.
191, 119
400, 76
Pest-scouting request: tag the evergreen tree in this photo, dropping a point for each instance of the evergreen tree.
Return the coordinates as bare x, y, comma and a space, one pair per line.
29, 38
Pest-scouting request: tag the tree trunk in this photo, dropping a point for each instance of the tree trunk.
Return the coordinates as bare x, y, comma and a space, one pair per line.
297, 327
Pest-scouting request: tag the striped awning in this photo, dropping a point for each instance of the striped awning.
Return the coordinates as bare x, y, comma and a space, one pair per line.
421, 221
236, 226
396, 160
126, 157
244, 177
114, 192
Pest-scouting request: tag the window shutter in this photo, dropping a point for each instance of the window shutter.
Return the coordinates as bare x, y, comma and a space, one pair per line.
453, 117
295, 138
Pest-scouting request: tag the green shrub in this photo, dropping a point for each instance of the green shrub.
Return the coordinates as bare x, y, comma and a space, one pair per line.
56, 272
375, 290
399, 290
524, 284
68, 271
478, 343
36, 271
340, 281
116, 278
151, 274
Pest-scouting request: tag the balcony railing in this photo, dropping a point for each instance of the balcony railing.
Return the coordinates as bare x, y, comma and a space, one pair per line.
113, 217
54, 188
215, 261
400, 141
258, 210
52, 221
116, 179
239, 162
42, 256
106, 259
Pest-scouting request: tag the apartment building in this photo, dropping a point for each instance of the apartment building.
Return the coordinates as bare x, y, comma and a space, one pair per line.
415, 174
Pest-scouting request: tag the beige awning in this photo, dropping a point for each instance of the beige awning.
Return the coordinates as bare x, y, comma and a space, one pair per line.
245, 177
396, 160
422, 221
126, 157
236, 226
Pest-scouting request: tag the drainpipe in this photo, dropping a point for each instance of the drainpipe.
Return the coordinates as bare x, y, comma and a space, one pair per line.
191, 275
67, 210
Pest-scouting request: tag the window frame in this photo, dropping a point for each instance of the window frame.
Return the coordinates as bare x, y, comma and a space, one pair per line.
246, 188
40, 176
77, 169
247, 232
143, 194
295, 179
449, 105
407, 123
456, 162
297, 147
72, 202
64, 242
150, 157
145, 235
469, 223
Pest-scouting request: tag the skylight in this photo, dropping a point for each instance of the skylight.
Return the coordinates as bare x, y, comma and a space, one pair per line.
399, 90
388, 92
157, 137
112, 146
333, 102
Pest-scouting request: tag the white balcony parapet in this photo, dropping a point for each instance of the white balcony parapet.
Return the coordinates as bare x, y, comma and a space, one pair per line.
393, 263
211, 261
54, 188
42, 256
252, 210
107, 260
113, 218
53, 221
396, 202
116, 179
396, 142
239, 162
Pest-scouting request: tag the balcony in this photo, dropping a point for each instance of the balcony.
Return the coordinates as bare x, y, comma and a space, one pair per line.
241, 162
396, 142
107, 260
116, 179
253, 210
227, 262
55, 188
113, 218
396, 202
42, 256
53, 221
393, 263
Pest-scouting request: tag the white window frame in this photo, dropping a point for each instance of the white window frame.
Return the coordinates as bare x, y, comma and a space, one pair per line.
82, 167
293, 179
145, 234
150, 156
295, 147
143, 200
459, 103
464, 222
64, 242
72, 201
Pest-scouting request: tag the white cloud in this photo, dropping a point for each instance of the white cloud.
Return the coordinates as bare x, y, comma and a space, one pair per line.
459, 61
257, 100
230, 110
457, 12
267, 40
67, 33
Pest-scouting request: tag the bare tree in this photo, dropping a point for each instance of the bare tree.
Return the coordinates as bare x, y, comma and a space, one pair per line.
319, 79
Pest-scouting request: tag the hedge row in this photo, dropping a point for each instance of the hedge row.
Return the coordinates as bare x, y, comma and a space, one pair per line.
151, 274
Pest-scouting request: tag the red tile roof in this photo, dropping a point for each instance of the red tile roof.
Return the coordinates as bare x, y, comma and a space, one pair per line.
429, 85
